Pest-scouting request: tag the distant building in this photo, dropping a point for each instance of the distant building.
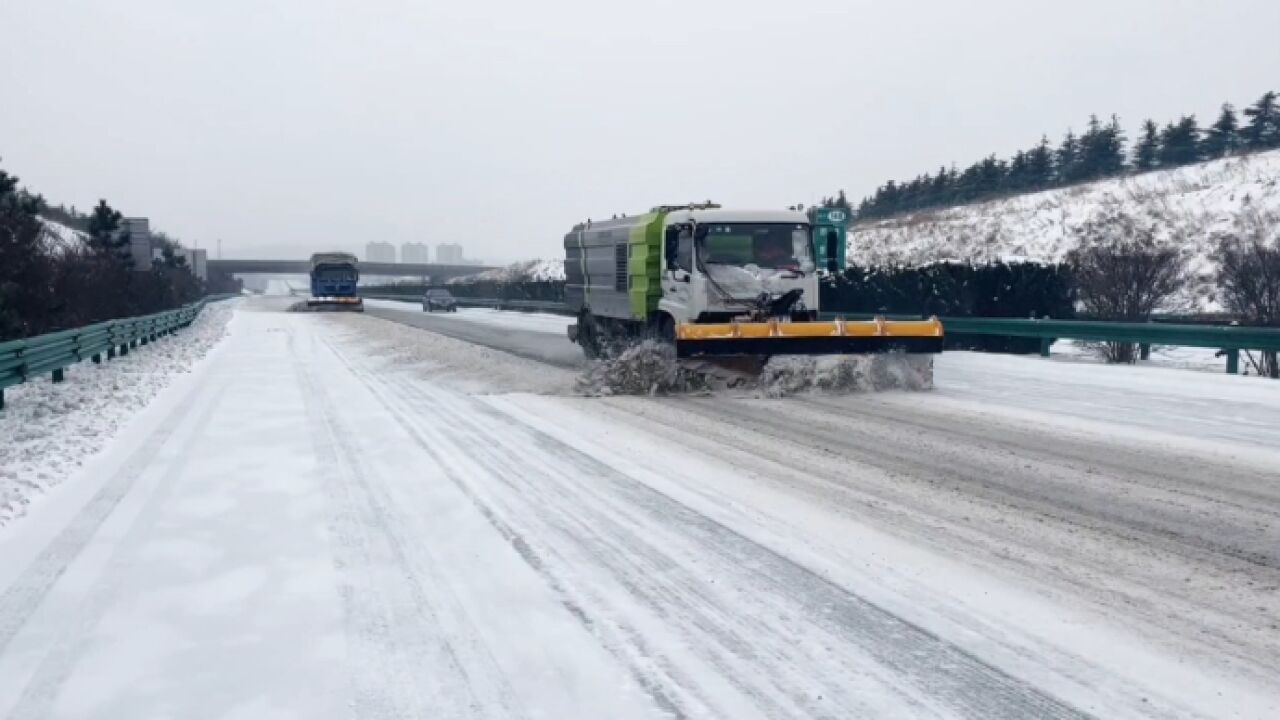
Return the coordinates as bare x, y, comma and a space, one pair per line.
449, 254
380, 252
197, 261
138, 230
415, 252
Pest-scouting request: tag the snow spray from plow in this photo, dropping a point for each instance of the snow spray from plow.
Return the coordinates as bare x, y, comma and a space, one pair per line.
652, 367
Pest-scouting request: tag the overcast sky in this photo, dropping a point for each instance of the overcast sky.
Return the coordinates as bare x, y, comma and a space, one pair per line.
289, 126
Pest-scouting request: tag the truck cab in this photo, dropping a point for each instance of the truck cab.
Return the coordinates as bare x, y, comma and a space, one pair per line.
720, 264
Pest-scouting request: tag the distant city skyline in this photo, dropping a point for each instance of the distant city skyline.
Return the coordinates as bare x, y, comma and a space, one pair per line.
380, 251
449, 253
415, 252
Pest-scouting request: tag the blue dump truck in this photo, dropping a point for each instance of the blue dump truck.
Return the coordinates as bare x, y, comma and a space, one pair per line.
334, 278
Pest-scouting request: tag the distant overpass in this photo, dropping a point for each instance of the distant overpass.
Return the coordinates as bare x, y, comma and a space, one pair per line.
367, 269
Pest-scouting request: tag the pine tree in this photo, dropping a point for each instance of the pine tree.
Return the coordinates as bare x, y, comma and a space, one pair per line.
169, 248
910, 194
968, 186
1111, 155
1040, 165
866, 209
1263, 130
1147, 149
105, 237
842, 202
1101, 150
993, 174
26, 292
941, 188
1017, 178
888, 199
1086, 167
1180, 142
1067, 158
1223, 137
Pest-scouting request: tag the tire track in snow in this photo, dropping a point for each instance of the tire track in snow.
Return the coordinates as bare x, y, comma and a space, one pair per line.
28, 591
611, 547
401, 644
1157, 466
1175, 591
940, 671
42, 688
1026, 475
895, 644
643, 676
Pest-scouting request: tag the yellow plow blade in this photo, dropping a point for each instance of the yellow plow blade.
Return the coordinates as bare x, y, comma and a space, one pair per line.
834, 337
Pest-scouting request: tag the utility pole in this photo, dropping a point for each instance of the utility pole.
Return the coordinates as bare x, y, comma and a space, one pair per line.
219, 248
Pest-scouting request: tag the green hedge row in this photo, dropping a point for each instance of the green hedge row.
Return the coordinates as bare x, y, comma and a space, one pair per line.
1015, 290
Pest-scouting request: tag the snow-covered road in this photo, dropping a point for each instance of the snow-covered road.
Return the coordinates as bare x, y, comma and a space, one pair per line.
336, 516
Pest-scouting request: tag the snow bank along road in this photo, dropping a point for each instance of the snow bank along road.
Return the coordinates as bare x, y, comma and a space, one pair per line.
339, 516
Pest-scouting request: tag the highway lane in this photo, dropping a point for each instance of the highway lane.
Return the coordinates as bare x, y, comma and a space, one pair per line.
1138, 492
422, 528
543, 344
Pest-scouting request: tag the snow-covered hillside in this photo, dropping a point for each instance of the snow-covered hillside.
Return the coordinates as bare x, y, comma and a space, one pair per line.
1187, 205
526, 271
59, 234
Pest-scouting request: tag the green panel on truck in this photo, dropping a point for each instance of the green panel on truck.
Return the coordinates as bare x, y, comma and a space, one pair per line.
644, 266
825, 219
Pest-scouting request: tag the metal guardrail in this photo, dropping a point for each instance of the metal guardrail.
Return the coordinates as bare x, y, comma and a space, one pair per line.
547, 306
20, 360
1231, 339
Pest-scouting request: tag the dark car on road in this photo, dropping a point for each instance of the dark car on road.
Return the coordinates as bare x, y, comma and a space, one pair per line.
439, 299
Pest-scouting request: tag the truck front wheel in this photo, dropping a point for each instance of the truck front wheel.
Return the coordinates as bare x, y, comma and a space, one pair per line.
667, 329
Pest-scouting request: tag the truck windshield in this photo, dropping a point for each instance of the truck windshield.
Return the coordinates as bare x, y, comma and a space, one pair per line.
337, 274
768, 245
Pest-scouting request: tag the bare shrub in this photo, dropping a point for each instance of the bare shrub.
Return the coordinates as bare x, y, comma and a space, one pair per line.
1124, 271
1248, 258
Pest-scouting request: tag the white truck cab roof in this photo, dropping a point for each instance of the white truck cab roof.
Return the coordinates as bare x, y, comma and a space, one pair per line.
727, 215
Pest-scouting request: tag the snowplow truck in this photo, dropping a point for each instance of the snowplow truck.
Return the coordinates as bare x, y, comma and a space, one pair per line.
718, 283
334, 277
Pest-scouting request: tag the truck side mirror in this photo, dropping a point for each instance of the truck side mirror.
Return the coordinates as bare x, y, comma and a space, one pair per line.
672, 246
833, 241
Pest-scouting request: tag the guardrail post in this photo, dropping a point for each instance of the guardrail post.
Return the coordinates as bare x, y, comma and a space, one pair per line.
1233, 361
1, 398
1045, 344
111, 352
124, 349
1144, 351
97, 358
58, 376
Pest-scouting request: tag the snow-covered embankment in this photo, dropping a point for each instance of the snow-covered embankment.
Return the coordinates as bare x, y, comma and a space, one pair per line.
48, 430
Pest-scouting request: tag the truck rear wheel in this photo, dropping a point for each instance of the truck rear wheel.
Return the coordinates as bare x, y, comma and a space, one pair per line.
589, 336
